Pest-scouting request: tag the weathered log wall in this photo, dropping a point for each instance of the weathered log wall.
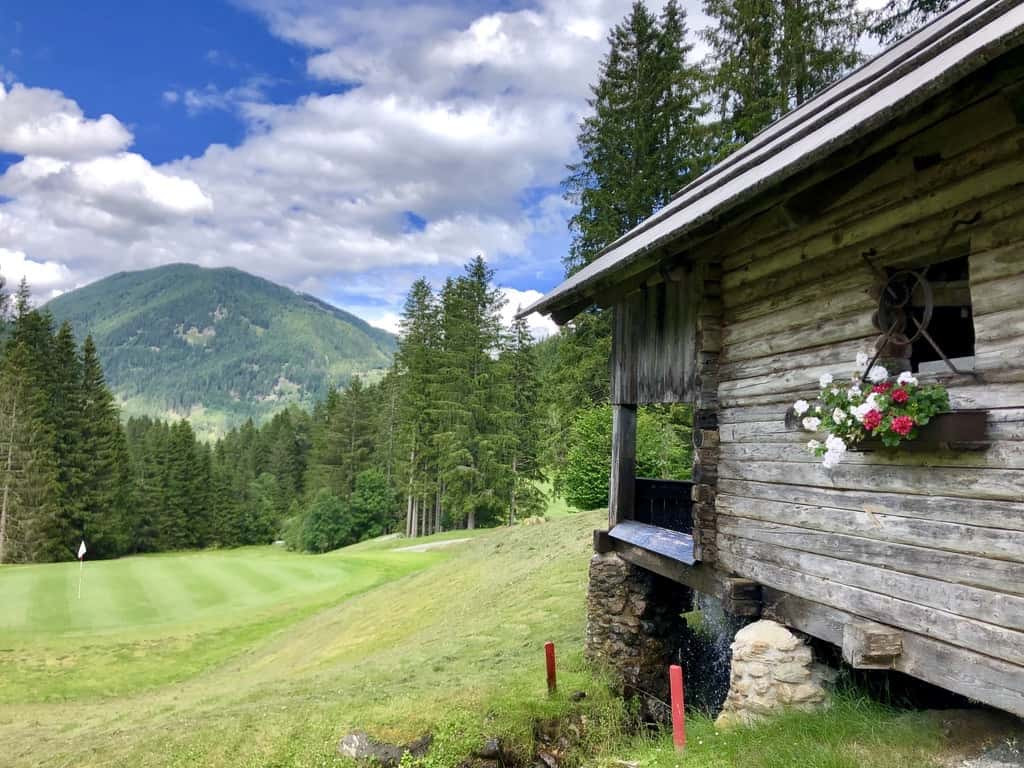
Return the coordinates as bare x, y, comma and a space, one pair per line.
655, 342
928, 543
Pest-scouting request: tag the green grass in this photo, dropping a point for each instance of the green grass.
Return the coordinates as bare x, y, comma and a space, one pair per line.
557, 505
259, 657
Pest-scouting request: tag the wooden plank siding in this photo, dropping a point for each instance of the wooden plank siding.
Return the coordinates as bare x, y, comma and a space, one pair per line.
654, 352
929, 543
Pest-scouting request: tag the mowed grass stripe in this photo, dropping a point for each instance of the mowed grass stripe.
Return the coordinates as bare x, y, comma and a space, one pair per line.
135, 603
101, 604
260, 581
176, 590
49, 609
16, 585
203, 581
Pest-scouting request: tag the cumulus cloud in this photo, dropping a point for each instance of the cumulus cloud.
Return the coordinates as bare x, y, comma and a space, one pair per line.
540, 326
39, 121
43, 276
444, 113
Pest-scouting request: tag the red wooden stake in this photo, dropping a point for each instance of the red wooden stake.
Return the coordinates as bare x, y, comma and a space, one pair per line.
675, 678
549, 654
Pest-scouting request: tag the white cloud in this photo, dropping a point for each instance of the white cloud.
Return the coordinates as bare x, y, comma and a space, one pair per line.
540, 326
38, 121
445, 110
45, 276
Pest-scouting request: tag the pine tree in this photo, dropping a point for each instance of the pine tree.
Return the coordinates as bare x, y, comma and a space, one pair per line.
67, 421
901, 17
27, 474
520, 371
644, 140
469, 442
5, 309
416, 367
768, 57
105, 476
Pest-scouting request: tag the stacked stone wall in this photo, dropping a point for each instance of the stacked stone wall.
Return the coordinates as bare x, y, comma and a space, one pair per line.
635, 628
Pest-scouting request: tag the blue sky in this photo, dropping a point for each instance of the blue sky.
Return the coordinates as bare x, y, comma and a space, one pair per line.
342, 148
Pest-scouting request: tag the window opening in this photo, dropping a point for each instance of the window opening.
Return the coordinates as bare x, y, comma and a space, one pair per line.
926, 312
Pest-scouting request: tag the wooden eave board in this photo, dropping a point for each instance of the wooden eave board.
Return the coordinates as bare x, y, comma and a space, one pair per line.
891, 84
678, 546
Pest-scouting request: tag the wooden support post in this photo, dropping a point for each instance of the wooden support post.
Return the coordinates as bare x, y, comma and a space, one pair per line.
622, 490
869, 645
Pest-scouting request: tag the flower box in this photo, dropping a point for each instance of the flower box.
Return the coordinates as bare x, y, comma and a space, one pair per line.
965, 430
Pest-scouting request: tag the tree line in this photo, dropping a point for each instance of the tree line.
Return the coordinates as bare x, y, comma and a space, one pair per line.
448, 438
473, 416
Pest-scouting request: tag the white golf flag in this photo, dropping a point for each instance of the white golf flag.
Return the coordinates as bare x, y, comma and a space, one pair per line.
81, 550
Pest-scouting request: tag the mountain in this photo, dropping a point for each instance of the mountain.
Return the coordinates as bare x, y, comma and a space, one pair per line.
218, 345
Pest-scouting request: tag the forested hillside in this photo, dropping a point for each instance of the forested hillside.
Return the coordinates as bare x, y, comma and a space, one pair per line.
218, 346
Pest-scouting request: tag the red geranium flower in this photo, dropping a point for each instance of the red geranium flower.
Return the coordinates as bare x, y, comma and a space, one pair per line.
881, 389
872, 419
900, 396
902, 425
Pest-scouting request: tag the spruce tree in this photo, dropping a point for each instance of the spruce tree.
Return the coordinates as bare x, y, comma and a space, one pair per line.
66, 418
105, 467
898, 18
28, 498
520, 371
769, 57
5, 309
644, 139
469, 444
416, 367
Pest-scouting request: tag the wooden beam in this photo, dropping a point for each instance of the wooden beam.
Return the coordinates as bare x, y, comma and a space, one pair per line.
869, 645
622, 489
739, 597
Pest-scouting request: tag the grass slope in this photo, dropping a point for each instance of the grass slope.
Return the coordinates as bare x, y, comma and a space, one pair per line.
296, 650
218, 345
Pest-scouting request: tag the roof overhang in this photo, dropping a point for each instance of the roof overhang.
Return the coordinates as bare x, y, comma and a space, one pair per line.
889, 86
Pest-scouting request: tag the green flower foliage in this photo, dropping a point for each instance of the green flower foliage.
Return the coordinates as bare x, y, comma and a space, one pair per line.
882, 407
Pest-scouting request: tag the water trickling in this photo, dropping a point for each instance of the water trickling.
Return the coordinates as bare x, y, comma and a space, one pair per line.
706, 654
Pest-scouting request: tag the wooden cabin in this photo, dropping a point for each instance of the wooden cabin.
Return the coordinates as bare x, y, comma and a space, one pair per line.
765, 273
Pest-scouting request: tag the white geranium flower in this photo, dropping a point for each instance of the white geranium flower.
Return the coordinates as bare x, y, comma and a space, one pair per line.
906, 378
834, 390
838, 416
862, 360
854, 392
800, 407
812, 423
813, 445
835, 444
831, 459
862, 410
877, 374
825, 380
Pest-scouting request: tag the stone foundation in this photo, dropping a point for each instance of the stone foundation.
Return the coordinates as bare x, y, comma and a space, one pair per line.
635, 629
772, 670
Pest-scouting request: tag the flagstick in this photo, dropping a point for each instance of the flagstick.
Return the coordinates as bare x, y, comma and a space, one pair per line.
81, 563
